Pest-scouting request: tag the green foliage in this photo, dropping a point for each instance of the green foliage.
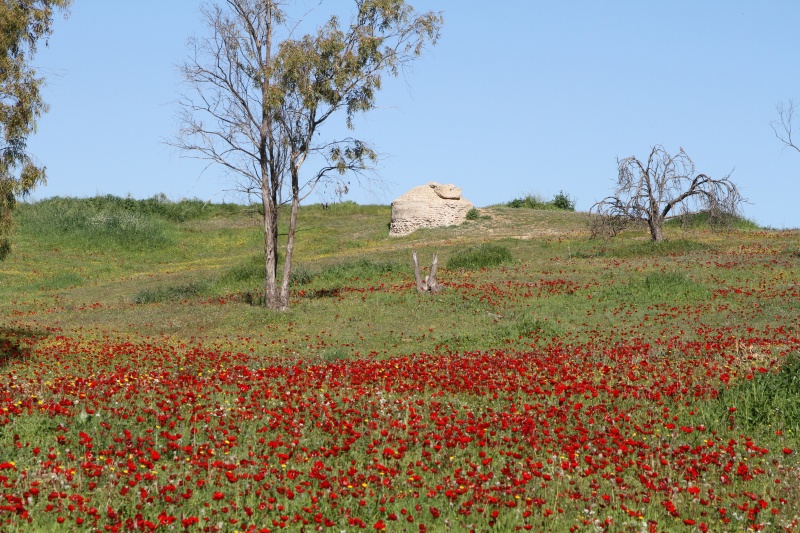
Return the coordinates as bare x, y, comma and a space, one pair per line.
170, 293
703, 219
477, 257
673, 287
530, 201
103, 221
563, 201
180, 211
534, 201
62, 280
249, 272
336, 275
473, 214
624, 249
527, 327
95, 223
768, 400
303, 80
22, 24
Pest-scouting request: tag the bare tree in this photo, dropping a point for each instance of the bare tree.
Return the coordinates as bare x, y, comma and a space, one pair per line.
663, 186
785, 123
257, 105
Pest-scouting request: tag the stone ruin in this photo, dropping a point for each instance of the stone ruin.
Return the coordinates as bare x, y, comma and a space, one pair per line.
428, 206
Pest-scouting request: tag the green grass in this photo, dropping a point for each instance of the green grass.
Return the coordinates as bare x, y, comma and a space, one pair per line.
766, 401
481, 256
703, 220
171, 293
185, 275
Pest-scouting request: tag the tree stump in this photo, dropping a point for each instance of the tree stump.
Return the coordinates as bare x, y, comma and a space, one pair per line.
429, 284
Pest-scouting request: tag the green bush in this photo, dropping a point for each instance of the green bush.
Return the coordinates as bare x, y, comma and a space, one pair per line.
477, 257
529, 202
534, 201
563, 201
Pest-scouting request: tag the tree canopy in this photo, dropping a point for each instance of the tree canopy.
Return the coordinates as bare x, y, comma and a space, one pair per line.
23, 25
258, 103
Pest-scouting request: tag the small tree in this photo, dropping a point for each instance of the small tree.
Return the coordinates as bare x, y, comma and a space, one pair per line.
785, 124
258, 106
23, 23
666, 185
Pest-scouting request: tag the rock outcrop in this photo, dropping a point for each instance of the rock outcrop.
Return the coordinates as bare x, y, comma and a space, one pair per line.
428, 206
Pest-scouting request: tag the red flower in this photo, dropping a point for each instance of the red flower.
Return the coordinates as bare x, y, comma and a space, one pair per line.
217, 496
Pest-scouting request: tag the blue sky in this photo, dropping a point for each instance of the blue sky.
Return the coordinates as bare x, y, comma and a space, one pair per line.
518, 97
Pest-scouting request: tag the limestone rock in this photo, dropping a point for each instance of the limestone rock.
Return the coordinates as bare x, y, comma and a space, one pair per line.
428, 206
448, 192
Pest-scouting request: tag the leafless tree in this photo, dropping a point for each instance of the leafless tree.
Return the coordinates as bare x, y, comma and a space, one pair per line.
257, 103
785, 123
662, 187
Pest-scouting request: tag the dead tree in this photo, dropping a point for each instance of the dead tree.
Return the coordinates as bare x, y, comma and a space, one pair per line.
784, 125
429, 284
662, 186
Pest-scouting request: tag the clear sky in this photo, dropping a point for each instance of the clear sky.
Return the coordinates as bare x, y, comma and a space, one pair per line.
518, 97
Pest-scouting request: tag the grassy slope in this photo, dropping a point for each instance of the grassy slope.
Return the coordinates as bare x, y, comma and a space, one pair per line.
357, 299
69, 282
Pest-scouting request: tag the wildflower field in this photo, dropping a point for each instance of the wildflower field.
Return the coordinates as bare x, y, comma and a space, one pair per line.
585, 385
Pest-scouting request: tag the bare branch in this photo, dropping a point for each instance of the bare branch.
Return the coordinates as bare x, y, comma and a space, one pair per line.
255, 107
783, 127
667, 184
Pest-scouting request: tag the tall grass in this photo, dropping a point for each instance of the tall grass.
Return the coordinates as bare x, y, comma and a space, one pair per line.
765, 401
94, 223
478, 257
704, 220
111, 221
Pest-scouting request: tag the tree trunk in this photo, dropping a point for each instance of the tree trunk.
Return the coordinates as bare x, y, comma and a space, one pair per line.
656, 229
271, 295
287, 260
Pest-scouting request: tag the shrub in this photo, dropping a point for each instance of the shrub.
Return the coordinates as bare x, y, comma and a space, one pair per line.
473, 214
563, 201
529, 202
534, 201
477, 257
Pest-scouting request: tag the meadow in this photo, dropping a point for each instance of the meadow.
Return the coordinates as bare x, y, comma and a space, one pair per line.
577, 384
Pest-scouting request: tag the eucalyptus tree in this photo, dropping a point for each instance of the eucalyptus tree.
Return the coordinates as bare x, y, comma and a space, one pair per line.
260, 96
662, 186
23, 25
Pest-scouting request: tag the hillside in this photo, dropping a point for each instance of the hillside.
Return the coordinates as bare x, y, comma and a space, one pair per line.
581, 385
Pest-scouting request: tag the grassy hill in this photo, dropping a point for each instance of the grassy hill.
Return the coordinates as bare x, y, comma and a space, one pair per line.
646, 384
